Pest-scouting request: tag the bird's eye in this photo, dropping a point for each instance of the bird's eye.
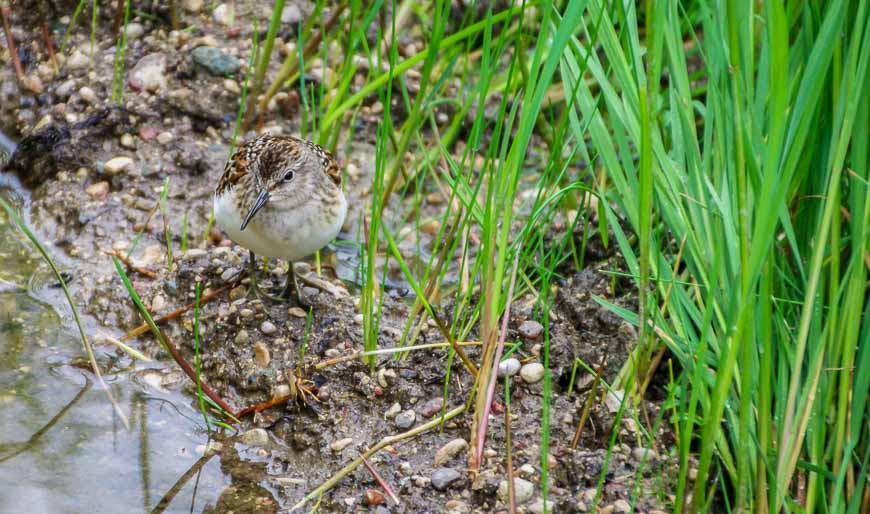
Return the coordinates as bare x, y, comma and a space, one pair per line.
288, 176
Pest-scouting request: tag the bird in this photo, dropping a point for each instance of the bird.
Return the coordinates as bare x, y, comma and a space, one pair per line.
280, 197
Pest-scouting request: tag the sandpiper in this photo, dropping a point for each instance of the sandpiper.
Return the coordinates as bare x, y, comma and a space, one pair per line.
280, 197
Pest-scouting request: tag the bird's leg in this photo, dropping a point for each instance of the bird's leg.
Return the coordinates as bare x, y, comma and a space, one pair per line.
293, 283
252, 273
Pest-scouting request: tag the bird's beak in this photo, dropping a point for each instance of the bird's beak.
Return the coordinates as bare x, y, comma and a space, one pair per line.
261, 201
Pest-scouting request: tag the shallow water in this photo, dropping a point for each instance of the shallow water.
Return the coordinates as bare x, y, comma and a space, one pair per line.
62, 447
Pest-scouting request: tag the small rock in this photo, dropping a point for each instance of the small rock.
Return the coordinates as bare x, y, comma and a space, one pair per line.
431, 407
523, 490
537, 506
158, 303
164, 138
443, 477
117, 165
65, 89
508, 367
531, 329
228, 274
643, 455
149, 74
192, 6
98, 190
87, 94
262, 356
394, 410
268, 328
296, 312
457, 507
532, 373
450, 450
224, 14
134, 31
242, 337
77, 61
291, 14
232, 86
215, 62
256, 437
526, 470
280, 391
340, 444
127, 141
406, 419
622, 506
373, 497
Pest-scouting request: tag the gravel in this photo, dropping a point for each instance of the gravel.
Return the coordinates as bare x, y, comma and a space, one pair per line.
442, 478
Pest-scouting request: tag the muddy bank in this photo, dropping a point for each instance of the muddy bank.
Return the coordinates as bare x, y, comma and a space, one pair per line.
96, 170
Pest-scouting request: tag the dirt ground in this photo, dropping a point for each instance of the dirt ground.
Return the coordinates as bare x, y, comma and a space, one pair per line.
176, 122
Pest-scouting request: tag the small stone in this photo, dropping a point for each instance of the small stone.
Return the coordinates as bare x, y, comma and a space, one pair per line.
406, 419
238, 293
450, 450
215, 62
98, 190
149, 74
531, 329
224, 14
431, 407
340, 444
523, 490
242, 337
164, 138
134, 31
373, 497
232, 86
65, 89
262, 355
443, 477
127, 141
537, 506
508, 367
280, 391
622, 506
268, 328
87, 94
296, 312
526, 470
256, 437
246, 313
291, 14
158, 303
117, 165
643, 454
532, 373
228, 274
77, 61
192, 6
393, 411
457, 507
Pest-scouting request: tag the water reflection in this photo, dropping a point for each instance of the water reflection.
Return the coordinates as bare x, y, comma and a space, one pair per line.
62, 447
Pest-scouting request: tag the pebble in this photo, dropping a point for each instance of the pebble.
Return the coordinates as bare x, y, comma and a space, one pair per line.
246, 313
228, 274
118, 164
431, 407
98, 190
77, 61
242, 337
256, 437
261, 355
537, 506
192, 6
232, 86
224, 14
134, 31
158, 303
87, 94
450, 450
127, 141
65, 89
149, 74
622, 506
280, 391
340, 444
523, 490
406, 419
457, 507
297, 312
268, 328
508, 367
238, 293
164, 138
443, 477
526, 470
215, 62
532, 372
643, 454
291, 14
373, 497
394, 410
531, 329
